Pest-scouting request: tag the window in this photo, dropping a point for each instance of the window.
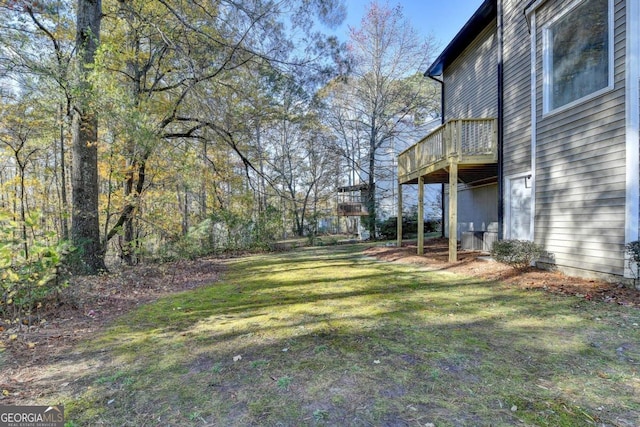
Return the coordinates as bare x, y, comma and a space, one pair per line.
578, 54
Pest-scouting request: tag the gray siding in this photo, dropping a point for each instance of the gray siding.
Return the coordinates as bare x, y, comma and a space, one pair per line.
580, 167
471, 82
517, 89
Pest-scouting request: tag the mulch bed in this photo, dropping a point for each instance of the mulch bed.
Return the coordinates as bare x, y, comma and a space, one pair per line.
476, 264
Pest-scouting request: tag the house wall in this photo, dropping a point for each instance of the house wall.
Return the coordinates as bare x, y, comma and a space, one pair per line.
517, 89
580, 158
471, 82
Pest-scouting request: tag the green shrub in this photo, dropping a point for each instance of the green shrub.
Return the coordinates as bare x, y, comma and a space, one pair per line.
29, 271
223, 232
388, 228
633, 250
519, 254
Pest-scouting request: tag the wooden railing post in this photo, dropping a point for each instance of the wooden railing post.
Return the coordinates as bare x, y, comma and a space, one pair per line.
446, 137
458, 141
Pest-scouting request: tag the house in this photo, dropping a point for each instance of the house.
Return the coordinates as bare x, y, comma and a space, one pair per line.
540, 136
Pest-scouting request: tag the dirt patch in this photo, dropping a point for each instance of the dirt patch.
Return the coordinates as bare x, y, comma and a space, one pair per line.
476, 264
82, 310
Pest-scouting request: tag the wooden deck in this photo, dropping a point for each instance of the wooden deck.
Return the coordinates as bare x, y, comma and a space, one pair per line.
459, 151
470, 143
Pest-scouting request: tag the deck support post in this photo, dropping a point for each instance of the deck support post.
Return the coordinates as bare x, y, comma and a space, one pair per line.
453, 208
399, 225
420, 215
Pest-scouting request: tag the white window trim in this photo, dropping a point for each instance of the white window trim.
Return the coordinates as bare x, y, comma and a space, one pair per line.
546, 71
632, 106
507, 213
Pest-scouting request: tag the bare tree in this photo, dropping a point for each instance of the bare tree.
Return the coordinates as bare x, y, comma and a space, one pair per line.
388, 96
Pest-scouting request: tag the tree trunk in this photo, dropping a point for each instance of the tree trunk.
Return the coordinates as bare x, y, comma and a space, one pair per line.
23, 214
63, 182
262, 184
126, 250
185, 211
203, 183
299, 222
371, 195
85, 230
133, 189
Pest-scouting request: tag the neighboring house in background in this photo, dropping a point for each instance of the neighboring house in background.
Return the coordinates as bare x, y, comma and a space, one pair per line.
541, 102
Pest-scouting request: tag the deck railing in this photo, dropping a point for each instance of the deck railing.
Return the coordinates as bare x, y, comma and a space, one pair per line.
468, 138
352, 209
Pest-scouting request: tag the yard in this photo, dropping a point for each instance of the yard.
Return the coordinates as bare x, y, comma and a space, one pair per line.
332, 336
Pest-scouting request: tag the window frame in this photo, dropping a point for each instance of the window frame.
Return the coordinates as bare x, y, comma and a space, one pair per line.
547, 53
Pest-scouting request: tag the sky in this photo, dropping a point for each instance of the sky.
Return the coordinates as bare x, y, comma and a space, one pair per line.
442, 18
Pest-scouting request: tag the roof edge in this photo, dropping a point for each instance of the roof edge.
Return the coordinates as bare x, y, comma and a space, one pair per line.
473, 27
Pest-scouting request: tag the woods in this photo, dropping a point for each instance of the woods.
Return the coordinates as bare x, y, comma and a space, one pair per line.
203, 207
150, 130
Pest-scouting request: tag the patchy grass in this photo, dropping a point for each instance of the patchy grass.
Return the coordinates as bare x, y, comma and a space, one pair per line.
324, 336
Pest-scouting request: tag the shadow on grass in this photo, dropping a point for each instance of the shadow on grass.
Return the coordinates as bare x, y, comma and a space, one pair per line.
324, 337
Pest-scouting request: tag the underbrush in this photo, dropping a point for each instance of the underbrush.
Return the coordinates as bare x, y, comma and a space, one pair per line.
31, 273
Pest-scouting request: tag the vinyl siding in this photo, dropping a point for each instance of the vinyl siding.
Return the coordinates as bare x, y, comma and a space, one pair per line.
471, 81
517, 89
580, 167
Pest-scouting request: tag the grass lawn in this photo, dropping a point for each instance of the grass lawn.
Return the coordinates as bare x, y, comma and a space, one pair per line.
326, 337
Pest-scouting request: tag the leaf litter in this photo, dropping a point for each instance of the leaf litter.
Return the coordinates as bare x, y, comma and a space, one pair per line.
81, 311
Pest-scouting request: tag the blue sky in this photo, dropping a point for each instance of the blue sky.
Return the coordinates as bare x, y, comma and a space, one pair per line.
442, 18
